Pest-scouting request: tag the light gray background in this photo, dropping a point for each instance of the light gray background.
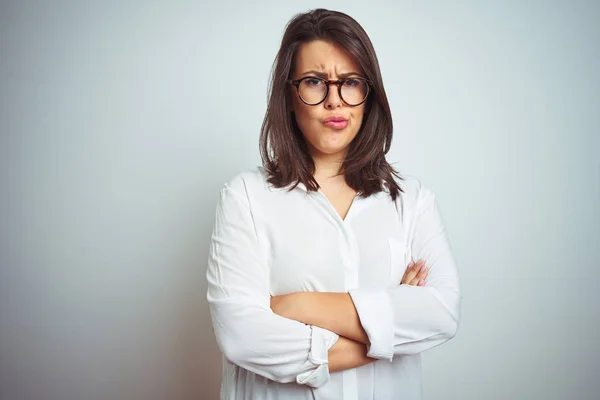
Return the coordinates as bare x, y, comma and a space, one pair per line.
120, 121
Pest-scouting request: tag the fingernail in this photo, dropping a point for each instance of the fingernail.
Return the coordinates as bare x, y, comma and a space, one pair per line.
421, 282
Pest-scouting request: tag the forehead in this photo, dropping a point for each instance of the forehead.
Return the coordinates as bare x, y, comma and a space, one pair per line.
323, 56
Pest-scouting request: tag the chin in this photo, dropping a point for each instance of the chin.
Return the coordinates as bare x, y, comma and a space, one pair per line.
330, 144
331, 150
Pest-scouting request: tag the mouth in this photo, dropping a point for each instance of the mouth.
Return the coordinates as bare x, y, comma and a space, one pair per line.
336, 122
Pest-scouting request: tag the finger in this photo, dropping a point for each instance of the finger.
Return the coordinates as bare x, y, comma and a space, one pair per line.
421, 283
422, 274
411, 272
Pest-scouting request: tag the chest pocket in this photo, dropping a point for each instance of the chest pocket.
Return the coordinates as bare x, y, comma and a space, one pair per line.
400, 256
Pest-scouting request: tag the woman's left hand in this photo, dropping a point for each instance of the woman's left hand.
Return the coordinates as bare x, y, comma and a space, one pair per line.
415, 274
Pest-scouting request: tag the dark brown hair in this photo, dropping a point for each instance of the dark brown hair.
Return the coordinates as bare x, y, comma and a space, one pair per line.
283, 149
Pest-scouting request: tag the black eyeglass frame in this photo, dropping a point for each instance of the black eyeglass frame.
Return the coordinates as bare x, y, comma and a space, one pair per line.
338, 83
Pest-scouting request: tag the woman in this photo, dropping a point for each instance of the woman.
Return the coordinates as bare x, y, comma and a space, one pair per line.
312, 290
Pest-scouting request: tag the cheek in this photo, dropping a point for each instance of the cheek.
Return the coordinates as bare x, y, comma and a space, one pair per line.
359, 118
304, 117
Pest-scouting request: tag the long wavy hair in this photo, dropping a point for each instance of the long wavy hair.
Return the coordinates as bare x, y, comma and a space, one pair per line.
283, 149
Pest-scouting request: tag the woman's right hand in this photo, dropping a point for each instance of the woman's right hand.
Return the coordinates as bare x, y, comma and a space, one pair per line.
415, 274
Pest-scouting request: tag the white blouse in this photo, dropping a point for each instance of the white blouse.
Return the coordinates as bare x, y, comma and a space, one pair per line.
268, 241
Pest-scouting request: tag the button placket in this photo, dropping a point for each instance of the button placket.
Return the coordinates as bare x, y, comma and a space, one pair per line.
352, 257
350, 382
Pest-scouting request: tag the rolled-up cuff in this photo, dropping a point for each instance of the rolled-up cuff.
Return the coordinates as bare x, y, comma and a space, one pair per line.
374, 308
321, 341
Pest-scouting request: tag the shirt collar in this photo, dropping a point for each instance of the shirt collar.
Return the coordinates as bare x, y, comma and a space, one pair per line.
286, 188
303, 188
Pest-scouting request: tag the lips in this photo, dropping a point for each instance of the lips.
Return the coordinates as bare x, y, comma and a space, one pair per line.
336, 122
335, 119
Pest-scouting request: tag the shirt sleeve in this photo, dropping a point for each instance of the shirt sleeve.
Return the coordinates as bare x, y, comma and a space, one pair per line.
411, 319
248, 333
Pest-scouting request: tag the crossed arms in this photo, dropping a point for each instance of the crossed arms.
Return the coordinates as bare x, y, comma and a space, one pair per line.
336, 312
302, 337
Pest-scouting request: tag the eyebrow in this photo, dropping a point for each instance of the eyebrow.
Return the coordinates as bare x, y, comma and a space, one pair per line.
325, 75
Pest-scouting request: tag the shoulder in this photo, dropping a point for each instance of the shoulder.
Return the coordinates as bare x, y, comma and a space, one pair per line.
247, 182
414, 191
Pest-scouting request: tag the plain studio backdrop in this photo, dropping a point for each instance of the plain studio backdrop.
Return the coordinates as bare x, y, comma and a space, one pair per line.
120, 122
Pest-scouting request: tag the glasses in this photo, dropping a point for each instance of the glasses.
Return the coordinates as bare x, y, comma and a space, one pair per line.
313, 90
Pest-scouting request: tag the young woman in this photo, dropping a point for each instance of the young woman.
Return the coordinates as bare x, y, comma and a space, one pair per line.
312, 286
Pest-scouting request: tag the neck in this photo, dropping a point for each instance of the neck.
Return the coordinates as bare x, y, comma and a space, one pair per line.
328, 166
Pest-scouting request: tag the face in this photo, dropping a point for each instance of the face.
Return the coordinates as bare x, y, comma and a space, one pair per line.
330, 126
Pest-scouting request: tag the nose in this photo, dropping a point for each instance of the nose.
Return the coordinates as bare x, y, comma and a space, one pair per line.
333, 97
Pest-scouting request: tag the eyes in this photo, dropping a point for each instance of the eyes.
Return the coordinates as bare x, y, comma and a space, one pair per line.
351, 82
314, 90
316, 82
